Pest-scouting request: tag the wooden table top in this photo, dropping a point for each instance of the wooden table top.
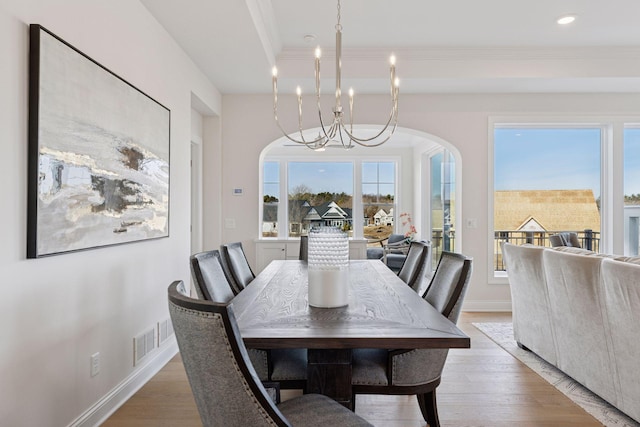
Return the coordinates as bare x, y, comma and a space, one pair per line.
383, 312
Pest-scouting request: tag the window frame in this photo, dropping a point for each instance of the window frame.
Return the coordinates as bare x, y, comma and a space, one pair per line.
611, 155
283, 215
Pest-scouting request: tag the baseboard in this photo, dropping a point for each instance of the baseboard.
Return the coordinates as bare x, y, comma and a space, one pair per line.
109, 403
483, 305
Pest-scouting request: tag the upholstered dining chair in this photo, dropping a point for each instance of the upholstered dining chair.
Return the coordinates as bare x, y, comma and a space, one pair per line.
286, 366
414, 261
237, 266
424, 274
417, 371
225, 385
304, 248
211, 282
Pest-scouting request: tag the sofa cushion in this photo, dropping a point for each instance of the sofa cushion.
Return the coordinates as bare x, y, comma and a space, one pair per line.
530, 299
572, 250
622, 303
629, 259
582, 334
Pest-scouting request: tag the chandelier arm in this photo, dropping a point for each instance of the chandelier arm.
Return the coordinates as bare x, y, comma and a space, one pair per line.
393, 116
302, 142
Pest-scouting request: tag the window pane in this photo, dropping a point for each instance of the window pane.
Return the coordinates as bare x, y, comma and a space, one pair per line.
378, 199
442, 204
546, 180
271, 197
320, 193
632, 191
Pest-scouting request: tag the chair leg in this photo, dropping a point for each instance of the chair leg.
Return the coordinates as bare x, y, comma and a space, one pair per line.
353, 402
429, 408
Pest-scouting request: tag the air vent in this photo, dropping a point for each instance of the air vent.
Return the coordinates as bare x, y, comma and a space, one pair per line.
165, 330
143, 344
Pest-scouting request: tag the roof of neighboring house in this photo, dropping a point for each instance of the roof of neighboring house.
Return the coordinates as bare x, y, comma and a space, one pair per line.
332, 210
553, 210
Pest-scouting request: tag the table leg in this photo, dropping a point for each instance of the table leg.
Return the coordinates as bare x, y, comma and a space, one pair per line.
329, 373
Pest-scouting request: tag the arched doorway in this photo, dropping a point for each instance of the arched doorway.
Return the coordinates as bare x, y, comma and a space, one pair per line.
428, 168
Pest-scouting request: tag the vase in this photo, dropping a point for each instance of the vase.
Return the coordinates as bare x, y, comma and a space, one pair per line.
328, 267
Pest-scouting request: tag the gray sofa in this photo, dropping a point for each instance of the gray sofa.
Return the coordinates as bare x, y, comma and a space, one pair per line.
580, 311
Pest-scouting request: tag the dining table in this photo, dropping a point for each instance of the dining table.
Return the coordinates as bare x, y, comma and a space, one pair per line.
273, 312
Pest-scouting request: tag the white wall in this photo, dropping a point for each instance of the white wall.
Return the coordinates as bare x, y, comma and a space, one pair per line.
59, 310
461, 120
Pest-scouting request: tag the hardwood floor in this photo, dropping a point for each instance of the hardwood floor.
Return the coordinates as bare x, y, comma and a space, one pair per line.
481, 386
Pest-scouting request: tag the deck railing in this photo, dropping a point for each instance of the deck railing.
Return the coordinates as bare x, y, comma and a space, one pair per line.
589, 239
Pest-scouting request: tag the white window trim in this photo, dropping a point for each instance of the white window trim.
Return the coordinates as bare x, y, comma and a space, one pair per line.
611, 174
358, 225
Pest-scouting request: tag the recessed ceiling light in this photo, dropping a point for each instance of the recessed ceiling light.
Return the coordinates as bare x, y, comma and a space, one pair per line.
567, 19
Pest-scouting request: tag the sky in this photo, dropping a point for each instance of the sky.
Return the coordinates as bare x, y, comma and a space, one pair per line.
559, 159
551, 159
334, 177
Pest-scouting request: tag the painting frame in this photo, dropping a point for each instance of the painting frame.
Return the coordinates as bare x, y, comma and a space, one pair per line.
98, 156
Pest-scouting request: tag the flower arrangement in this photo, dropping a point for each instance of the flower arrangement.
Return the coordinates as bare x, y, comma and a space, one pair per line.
406, 221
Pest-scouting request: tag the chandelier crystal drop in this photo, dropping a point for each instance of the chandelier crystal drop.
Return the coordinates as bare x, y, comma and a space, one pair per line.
337, 131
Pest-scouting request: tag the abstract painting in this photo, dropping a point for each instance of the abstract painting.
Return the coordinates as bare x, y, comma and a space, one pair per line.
98, 154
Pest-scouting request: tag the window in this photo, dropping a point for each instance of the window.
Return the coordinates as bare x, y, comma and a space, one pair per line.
546, 180
340, 191
270, 198
442, 204
320, 193
378, 198
632, 191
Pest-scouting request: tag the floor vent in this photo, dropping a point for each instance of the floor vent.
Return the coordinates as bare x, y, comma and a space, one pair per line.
143, 344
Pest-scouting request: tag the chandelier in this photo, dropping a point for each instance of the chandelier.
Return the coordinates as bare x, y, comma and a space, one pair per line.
337, 131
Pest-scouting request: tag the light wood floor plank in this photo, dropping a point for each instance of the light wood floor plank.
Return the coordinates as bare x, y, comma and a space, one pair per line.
481, 386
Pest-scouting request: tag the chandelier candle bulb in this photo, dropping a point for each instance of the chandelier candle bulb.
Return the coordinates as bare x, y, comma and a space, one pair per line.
274, 79
351, 106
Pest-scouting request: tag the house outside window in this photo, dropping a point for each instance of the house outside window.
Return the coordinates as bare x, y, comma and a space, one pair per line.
378, 199
334, 192
319, 194
547, 179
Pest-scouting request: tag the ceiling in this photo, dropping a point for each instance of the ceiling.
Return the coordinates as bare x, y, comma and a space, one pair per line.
455, 46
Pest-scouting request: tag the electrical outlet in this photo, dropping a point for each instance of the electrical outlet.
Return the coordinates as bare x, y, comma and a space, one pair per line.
95, 364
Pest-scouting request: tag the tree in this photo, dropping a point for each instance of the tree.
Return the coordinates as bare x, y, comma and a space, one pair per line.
301, 192
269, 199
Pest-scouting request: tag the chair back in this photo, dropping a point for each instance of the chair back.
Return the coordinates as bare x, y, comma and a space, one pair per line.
413, 262
421, 281
449, 284
225, 385
211, 281
236, 262
304, 248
